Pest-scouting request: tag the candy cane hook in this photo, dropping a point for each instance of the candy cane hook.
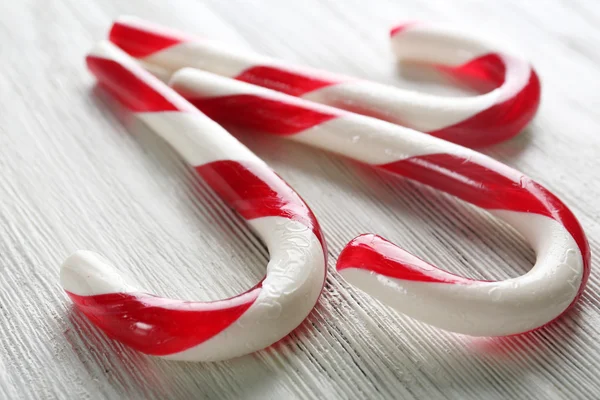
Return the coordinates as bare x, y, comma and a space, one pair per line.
191, 330
470, 121
382, 269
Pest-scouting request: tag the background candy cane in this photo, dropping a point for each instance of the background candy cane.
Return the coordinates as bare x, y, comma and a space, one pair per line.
470, 121
389, 273
201, 331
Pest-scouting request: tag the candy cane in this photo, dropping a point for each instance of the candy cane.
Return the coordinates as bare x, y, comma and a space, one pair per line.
385, 271
190, 330
470, 121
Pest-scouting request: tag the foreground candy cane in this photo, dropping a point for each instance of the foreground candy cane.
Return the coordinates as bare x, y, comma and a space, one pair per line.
201, 331
470, 121
380, 268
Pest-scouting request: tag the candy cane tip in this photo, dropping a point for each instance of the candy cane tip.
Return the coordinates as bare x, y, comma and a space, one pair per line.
184, 74
371, 253
86, 273
401, 27
106, 49
141, 38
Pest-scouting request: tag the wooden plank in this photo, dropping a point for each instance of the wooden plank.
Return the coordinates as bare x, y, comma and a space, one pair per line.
73, 178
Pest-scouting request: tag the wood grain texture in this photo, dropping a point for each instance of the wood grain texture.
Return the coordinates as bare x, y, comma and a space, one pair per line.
72, 178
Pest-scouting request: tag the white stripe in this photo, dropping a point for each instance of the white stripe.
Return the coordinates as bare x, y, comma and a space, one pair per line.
198, 139
419, 111
373, 141
218, 58
415, 110
192, 82
518, 73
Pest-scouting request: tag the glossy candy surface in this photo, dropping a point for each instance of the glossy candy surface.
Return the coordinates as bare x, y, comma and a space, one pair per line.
191, 330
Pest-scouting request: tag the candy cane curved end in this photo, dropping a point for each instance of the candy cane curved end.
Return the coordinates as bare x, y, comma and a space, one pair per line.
478, 308
193, 330
470, 121
501, 113
413, 286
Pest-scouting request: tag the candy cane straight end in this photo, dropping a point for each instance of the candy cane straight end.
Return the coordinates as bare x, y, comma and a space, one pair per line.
86, 273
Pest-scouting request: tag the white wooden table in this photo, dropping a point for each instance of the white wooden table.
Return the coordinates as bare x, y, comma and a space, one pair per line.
72, 177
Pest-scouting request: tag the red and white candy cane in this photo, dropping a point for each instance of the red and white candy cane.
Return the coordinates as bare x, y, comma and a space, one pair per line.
470, 121
380, 268
191, 330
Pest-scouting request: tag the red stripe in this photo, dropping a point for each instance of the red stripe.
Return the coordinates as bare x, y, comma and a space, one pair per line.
254, 191
485, 188
289, 82
135, 93
140, 42
159, 326
489, 68
501, 121
261, 114
374, 253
